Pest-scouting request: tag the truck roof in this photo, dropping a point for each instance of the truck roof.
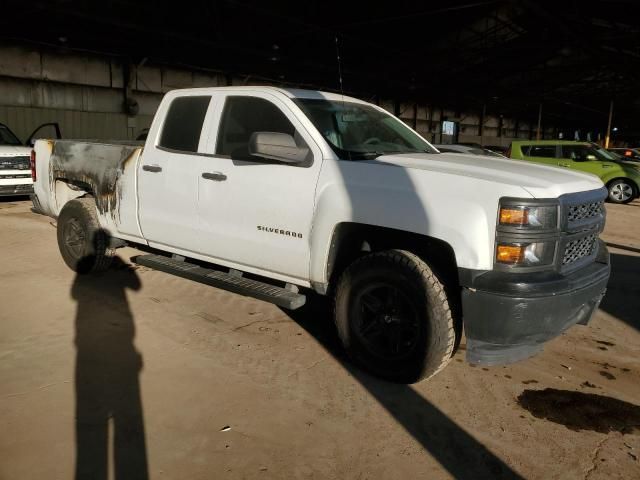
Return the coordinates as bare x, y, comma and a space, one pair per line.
289, 92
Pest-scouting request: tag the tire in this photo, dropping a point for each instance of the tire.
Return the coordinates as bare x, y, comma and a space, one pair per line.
621, 191
393, 298
84, 246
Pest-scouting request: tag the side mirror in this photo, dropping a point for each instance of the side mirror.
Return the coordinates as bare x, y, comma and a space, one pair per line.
590, 158
280, 147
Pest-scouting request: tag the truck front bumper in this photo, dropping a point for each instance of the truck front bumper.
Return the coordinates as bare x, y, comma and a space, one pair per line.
508, 317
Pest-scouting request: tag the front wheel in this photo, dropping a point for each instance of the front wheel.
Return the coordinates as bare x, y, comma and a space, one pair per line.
621, 191
393, 316
84, 246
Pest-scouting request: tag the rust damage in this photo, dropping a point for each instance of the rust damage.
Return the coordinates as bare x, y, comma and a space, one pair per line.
98, 166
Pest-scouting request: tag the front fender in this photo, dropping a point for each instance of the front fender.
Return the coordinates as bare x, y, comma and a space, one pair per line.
410, 200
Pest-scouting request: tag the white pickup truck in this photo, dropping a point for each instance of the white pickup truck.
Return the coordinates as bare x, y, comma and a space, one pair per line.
15, 162
264, 191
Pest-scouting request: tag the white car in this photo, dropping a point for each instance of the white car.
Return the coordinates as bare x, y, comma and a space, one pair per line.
15, 165
317, 191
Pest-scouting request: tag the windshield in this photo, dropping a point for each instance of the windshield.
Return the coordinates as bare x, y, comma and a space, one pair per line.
604, 155
7, 137
355, 131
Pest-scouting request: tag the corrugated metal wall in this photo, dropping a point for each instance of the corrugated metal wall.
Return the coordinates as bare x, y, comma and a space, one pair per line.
73, 123
85, 94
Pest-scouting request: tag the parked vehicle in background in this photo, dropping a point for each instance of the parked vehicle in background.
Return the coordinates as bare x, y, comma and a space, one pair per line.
471, 150
142, 136
263, 191
15, 165
631, 154
498, 149
622, 178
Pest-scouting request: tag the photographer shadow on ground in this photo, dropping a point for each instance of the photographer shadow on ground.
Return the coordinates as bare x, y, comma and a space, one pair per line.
107, 377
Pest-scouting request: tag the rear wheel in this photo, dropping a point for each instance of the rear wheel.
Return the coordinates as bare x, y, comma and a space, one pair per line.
393, 317
621, 191
84, 246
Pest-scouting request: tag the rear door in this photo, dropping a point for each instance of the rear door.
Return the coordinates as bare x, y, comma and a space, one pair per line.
254, 212
168, 174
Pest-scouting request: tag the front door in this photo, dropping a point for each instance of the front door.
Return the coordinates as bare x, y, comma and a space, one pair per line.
583, 158
255, 212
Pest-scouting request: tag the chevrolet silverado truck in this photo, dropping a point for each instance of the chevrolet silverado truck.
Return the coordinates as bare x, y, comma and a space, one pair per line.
15, 162
274, 193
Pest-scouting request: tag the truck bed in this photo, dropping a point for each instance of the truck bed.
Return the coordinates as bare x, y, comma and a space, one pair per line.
94, 163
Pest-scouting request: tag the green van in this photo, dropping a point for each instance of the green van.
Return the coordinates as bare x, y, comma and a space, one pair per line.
621, 178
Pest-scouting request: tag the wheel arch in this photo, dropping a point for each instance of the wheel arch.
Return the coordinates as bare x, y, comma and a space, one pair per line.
351, 240
66, 190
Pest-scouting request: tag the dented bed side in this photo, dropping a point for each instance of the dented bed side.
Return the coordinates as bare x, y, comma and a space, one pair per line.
69, 169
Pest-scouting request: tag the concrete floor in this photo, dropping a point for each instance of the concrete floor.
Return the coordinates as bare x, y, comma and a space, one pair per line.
190, 382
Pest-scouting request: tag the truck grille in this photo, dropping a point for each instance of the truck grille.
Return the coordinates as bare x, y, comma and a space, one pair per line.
15, 175
580, 248
584, 211
21, 162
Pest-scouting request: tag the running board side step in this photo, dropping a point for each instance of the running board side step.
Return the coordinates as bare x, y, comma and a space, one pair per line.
226, 281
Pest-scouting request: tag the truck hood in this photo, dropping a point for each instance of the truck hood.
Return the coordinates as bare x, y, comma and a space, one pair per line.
540, 181
14, 151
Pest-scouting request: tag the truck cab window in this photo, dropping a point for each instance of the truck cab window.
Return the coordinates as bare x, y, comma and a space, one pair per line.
243, 116
183, 123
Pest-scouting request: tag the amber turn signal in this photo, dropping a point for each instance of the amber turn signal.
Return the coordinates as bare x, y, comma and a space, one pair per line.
510, 254
514, 216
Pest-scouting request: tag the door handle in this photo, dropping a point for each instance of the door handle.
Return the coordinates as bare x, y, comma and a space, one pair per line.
215, 176
152, 168
564, 164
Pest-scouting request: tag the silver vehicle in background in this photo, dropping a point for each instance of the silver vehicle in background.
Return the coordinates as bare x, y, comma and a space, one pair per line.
469, 149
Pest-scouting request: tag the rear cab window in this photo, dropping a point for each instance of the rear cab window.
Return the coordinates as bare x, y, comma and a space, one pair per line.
183, 124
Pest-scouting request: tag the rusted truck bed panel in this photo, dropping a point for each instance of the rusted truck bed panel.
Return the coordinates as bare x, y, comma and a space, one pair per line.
97, 165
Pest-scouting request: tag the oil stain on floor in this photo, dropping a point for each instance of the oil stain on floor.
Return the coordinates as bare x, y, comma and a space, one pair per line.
582, 411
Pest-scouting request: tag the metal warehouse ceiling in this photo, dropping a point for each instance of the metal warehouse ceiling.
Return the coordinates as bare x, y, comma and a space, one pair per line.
573, 56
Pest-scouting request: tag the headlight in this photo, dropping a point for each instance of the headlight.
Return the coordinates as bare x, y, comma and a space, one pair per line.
529, 217
532, 254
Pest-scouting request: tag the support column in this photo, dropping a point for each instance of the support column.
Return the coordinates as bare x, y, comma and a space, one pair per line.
608, 136
481, 125
539, 122
430, 123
